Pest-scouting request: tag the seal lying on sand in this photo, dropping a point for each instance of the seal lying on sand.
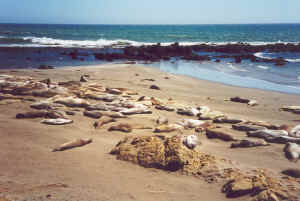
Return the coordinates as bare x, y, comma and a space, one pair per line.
190, 141
191, 123
162, 120
167, 128
295, 132
292, 151
249, 143
292, 172
72, 144
59, 121
127, 128
102, 121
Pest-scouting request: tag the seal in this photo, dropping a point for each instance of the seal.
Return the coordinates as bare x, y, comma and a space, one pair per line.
190, 141
72, 144
292, 151
58, 121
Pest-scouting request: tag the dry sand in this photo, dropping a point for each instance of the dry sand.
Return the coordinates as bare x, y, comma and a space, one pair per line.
30, 171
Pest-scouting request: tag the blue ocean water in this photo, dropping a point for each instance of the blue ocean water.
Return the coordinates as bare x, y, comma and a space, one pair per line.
29, 45
101, 35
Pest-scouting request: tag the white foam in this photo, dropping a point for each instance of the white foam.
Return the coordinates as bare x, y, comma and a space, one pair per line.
235, 68
263, 67
81, 43
46, 42
262, 55
293, 60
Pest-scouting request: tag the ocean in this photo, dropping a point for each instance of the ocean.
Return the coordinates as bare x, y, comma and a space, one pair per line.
31, 45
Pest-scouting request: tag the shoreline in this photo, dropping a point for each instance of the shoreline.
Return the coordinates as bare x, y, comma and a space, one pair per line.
123, 64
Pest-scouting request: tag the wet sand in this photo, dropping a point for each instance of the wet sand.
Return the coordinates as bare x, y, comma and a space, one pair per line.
30, 171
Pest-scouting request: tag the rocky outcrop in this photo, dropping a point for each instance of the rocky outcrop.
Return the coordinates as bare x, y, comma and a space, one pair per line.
260, 186
162, 152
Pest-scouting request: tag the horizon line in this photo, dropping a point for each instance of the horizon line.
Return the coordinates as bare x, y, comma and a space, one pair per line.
140, 24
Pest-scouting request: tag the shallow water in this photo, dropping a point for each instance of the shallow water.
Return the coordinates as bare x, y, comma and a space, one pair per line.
259, 76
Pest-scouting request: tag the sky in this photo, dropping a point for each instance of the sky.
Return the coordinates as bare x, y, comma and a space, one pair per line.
149, 11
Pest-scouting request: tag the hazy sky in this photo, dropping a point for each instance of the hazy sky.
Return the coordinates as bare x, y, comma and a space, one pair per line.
149, 11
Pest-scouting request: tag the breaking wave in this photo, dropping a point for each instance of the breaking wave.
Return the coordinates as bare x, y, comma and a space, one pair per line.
290, 57
32, 41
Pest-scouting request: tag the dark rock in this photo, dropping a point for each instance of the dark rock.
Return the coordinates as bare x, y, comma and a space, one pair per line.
150, 80
45, 67
280, 61
238, 59
154, 87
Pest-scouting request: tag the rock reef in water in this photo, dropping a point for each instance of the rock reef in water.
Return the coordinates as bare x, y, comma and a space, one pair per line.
239, 51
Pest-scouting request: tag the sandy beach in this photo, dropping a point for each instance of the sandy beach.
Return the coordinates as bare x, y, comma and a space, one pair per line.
31, 171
